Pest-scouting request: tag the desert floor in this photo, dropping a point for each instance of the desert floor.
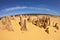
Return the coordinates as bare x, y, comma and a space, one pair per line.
33, 32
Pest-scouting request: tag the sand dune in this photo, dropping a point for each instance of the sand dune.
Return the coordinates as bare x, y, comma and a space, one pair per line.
30, 27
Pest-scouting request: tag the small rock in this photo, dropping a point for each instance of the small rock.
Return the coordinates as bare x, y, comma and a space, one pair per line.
47, 31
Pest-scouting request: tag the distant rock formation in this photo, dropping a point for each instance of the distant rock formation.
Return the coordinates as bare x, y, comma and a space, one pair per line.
6, 24
23, 23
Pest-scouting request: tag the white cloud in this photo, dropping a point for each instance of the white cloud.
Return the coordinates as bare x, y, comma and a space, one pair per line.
13, 8
20, 8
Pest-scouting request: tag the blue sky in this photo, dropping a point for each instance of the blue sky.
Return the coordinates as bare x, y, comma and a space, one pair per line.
12, 7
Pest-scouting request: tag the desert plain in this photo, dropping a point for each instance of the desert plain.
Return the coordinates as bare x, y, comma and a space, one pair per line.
30, 27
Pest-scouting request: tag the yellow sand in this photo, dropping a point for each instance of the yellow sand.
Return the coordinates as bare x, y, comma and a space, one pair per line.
33, 32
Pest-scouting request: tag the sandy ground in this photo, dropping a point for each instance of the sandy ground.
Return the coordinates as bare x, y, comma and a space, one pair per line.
33, 32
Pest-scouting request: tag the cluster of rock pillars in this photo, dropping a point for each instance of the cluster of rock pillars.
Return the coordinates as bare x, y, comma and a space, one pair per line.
41, 22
